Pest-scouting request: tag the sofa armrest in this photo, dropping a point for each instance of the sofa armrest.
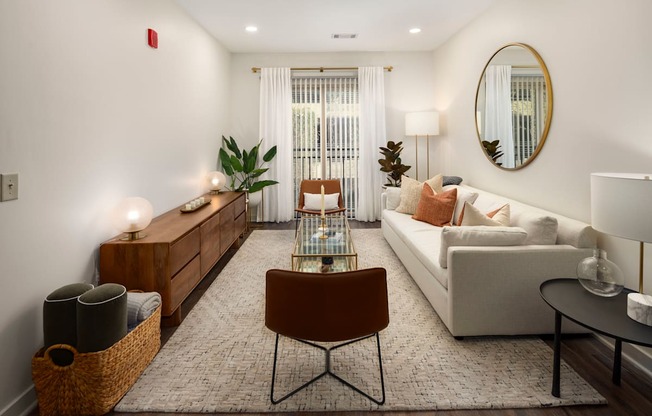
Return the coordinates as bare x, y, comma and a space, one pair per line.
383, 201
499, 287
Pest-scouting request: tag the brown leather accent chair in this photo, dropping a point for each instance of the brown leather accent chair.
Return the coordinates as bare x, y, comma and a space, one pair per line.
313, 186
342, 307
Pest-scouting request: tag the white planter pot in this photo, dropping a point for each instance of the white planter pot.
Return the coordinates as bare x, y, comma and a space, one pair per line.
255, 199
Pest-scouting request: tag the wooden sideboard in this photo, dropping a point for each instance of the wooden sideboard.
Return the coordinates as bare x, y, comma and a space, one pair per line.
177, 252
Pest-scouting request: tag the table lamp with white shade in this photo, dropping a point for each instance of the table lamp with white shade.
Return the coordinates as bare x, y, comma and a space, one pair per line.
423, 123
621, 205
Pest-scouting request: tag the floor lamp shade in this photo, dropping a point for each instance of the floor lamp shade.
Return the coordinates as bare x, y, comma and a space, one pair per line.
423, 123
621, 205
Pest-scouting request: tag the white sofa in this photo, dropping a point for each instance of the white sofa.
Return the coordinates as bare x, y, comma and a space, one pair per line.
489, 290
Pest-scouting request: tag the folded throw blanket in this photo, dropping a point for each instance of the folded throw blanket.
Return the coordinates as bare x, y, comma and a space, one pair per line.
141, 306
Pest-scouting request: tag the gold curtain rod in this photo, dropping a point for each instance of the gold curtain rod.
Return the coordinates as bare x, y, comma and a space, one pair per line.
322, 69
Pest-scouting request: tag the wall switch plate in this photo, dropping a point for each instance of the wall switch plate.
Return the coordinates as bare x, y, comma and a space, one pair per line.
8, 186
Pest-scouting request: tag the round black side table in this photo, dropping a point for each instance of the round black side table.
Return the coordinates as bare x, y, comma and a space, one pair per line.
606, 316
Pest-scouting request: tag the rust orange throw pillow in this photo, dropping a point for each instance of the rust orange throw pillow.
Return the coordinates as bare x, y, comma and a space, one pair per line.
436, 209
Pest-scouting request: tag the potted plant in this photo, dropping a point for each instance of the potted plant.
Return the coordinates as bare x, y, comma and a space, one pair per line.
243, 167
392, 163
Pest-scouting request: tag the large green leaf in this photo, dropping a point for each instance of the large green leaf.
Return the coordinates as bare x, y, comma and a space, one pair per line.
270, 154
226, 162
236, 164
260, 185
257, 172
233, 147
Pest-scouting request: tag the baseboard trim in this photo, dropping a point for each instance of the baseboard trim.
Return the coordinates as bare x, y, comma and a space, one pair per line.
638, 356
22, 405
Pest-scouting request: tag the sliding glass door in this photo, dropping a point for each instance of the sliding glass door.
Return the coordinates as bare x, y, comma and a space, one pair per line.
325, 114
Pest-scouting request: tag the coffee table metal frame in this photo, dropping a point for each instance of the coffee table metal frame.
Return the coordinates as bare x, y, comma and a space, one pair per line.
311, 251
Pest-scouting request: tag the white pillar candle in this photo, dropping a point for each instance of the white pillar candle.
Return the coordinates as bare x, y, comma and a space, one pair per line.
322, 200
188, 207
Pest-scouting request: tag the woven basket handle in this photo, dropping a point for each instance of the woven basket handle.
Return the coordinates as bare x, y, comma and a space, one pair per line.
70, 348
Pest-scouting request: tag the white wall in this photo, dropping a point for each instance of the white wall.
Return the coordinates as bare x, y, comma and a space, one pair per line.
407, 88
599, 57
90, 114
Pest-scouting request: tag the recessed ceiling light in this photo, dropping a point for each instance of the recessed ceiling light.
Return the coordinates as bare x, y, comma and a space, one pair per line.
415, 30
251, 29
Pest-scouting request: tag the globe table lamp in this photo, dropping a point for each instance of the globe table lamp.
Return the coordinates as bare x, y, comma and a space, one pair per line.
620, 206
424, 123
131, 216
217, 181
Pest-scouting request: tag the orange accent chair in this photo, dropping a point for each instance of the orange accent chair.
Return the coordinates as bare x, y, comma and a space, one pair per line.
342, 307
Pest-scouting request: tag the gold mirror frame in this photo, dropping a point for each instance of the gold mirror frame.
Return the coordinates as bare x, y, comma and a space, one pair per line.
549, 106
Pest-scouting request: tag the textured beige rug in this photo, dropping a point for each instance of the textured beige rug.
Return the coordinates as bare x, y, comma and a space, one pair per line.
220, 358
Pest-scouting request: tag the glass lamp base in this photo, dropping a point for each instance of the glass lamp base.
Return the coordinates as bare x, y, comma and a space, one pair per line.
600, 276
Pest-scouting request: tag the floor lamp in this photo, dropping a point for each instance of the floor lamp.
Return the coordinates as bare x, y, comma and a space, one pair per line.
620, 206
424, 123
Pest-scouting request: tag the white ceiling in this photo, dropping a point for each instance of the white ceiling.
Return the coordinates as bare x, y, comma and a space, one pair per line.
286, 26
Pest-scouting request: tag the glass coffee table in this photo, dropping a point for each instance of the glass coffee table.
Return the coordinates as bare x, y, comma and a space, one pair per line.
325, 250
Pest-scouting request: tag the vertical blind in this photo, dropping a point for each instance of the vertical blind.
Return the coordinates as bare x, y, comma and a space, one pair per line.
325, 120
529, 103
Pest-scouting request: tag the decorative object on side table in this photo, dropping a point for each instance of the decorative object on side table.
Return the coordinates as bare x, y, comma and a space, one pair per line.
392, 164
599, 275
195, 204
620, 204
131, 216
216, 181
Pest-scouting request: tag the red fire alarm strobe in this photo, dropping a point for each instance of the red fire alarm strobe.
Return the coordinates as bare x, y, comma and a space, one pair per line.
152, 38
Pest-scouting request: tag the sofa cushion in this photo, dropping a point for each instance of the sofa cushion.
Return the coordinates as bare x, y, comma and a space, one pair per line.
422, 239
473, 216
436, 209
481, 235
411, 192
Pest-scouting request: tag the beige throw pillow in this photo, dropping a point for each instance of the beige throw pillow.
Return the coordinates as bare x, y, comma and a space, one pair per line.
411, 192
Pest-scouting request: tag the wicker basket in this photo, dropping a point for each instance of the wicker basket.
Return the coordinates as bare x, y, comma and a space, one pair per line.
95, 382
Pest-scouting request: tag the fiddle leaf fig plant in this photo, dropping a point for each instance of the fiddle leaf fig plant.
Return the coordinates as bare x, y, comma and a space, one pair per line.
391, 164
492, 149
242, 166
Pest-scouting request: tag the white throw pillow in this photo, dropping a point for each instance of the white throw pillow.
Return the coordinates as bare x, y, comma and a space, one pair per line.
463, 196
312, 202
393, 195
481, 235
541, 228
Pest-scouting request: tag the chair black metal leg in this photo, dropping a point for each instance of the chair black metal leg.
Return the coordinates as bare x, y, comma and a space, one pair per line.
327, 370
303, 386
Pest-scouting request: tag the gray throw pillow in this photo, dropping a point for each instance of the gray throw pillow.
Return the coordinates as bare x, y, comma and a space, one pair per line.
60, 320
101, 317
451, 180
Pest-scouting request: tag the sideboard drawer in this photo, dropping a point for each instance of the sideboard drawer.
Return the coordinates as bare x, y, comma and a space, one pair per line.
183, 251
240, 205
182, 284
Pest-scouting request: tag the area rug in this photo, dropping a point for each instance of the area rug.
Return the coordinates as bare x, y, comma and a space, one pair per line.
220, 358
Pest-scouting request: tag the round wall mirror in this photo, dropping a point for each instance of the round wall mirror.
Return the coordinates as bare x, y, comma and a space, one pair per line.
513, 106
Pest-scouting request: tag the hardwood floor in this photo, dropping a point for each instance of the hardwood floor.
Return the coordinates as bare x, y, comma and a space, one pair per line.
590, 358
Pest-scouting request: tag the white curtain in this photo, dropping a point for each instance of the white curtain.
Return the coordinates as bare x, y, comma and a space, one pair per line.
498, 112
276, 129
372, 136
